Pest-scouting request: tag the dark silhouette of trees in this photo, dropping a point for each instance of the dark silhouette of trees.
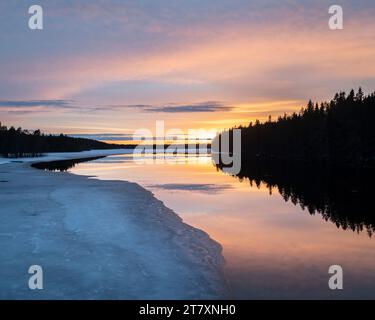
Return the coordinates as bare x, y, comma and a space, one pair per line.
21, 143
340, 131
322, 158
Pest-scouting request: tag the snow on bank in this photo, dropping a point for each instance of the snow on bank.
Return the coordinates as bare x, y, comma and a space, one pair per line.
98, 239
54, 156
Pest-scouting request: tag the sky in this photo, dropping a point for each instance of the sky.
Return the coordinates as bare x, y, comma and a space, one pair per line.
116, 66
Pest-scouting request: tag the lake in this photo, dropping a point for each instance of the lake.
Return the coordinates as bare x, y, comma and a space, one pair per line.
274, 244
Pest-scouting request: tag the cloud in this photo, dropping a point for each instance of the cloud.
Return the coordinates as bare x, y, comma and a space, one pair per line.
25, 106
105, 136
35, 103
185, 108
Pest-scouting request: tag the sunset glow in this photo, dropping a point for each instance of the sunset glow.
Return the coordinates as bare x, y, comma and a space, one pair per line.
115, 67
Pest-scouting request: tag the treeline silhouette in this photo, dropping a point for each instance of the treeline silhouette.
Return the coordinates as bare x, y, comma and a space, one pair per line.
341, 195
321, 158
22, 143
341, 131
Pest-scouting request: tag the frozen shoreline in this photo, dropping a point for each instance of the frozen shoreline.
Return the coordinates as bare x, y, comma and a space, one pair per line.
98, 239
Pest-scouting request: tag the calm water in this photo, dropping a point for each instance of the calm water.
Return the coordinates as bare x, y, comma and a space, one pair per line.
273, 248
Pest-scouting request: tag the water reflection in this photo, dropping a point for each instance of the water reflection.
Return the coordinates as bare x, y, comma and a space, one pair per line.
272, 248
198, 187
340, 195
61, 165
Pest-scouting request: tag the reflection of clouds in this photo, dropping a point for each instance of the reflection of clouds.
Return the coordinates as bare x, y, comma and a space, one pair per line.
205, 188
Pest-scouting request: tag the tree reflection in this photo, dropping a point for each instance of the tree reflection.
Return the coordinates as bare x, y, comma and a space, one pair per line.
340, 195
61, 165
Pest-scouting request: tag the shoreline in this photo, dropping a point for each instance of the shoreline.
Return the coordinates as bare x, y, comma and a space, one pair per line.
99, 239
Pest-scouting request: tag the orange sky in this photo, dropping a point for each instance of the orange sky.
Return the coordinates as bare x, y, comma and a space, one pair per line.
116, 68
